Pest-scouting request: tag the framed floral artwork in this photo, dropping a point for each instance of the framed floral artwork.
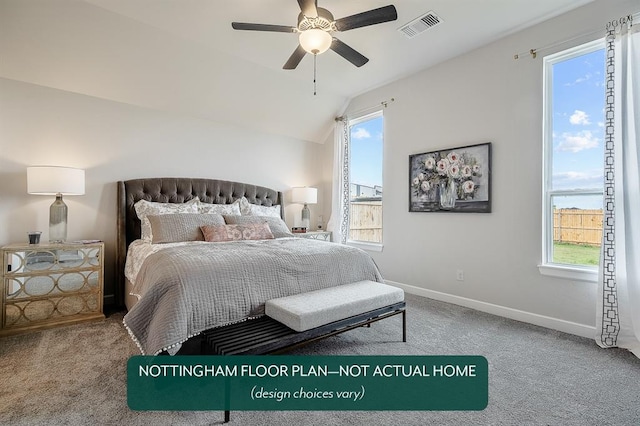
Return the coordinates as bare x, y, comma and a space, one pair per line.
451, 180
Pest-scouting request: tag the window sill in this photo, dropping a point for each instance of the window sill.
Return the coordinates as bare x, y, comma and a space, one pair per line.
365, 246
570, 272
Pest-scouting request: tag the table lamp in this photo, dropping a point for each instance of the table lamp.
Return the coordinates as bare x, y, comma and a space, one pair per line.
304, 195
58, 181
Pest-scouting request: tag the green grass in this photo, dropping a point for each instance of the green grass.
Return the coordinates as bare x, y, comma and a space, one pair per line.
576, 254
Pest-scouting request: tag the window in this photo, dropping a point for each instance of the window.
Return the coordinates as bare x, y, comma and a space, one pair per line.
573, 161
365, 178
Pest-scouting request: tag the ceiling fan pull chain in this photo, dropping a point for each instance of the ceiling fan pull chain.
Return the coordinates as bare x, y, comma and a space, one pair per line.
315, 55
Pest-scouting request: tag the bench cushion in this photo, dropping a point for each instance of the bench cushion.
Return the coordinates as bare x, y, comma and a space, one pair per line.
309, 310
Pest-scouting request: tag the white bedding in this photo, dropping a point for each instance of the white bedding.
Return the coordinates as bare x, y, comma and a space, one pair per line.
139, 250
191, 287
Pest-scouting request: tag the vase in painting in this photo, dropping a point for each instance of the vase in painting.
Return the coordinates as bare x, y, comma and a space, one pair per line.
448, 194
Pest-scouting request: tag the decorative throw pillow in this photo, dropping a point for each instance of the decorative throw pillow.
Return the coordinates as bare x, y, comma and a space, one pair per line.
233, 208
248, 209
145, 208
218, 233
175, 228
277, 226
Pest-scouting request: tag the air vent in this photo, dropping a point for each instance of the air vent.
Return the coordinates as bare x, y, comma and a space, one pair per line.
418, 25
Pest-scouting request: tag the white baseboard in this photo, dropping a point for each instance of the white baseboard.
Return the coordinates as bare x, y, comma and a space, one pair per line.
515, 314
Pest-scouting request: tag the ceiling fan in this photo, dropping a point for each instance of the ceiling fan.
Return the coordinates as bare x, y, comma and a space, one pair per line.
315, 26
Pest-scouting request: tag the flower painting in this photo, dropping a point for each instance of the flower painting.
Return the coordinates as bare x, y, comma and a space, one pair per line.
455, 180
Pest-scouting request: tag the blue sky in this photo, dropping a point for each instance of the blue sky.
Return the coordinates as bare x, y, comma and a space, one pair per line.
578, 122
366, 152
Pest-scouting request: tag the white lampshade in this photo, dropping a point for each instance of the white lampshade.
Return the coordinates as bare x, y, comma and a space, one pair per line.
51, 180
315, 40
304, 195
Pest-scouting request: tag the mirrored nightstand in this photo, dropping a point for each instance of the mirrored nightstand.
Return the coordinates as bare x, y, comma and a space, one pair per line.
315, 235
45, 285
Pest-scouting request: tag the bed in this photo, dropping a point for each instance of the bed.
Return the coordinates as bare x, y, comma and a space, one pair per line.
181, 290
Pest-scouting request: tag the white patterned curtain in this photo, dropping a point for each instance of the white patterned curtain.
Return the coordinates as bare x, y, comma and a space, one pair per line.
339, 222
618, 310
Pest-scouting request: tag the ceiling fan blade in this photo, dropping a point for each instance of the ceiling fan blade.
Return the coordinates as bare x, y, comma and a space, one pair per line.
348, 53
364, 19
294, 59
263, 27
309, 8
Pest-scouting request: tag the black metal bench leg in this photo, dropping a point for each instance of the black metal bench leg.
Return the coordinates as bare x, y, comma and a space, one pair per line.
227, 416
404, 325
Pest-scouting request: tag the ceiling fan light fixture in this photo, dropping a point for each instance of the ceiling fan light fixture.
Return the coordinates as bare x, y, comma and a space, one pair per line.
315, 41
316, 26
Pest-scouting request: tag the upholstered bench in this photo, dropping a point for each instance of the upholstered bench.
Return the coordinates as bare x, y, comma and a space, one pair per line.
305, 311
303, 318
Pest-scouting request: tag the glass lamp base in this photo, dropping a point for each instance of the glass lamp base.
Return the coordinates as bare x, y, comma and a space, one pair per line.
306, 215
58, 221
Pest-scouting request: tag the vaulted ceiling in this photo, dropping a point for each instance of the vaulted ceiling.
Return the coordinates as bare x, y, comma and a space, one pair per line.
183, 56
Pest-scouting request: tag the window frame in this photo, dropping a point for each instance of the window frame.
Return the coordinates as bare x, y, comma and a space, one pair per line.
548, 267
351, 122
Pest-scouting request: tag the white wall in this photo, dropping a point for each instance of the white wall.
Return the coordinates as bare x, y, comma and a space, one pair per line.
85, 87
116, 141
482, 96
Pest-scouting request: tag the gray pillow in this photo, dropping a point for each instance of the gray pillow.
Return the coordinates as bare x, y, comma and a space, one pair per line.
175, 228
278, 228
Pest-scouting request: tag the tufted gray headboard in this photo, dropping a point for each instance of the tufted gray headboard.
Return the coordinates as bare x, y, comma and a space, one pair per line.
176, 190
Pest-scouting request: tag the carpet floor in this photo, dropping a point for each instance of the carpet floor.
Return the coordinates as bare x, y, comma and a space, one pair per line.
76, 375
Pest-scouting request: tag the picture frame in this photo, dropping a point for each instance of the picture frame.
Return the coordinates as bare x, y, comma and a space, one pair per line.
451, 180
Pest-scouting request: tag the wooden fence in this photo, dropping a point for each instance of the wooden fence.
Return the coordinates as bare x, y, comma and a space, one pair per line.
573, 226
365, 221
577, 226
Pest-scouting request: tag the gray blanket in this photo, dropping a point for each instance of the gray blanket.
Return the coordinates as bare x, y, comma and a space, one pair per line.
186, 290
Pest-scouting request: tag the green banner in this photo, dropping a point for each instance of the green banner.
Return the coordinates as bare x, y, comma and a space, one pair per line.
307, 383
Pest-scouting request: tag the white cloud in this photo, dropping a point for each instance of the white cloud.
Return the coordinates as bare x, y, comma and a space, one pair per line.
580, 80
574, 176
360, 133
579, 117
574, 180
576, 142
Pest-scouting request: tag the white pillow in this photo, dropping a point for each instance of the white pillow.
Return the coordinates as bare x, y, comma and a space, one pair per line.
249, 209
146, 208
232, 209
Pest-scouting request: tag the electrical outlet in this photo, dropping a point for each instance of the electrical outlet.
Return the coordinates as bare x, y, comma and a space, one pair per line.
460, 275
